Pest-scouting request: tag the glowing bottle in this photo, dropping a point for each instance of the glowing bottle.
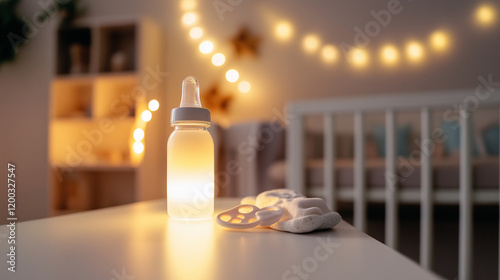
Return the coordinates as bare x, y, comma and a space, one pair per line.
190, 158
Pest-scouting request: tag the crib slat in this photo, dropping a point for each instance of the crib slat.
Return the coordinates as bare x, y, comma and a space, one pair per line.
359, 173
329, 166
391, 208
295, 155
426, 194
465, 235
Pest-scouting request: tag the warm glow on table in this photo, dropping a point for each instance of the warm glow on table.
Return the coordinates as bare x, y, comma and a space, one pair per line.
192, 245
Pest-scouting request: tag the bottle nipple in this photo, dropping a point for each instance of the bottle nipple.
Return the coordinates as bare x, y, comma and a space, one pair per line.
190, 92
190, 109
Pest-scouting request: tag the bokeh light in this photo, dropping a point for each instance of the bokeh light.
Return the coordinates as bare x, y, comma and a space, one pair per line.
311, 43
153, 105
138, 147
206, 47
188, 5
189, 18
138, 134
329, 54
389, 55
415, 51
232, 76
485, 15
283, 31
146, 115
218, 59
358, 57
440, 40
195, 32
244, 87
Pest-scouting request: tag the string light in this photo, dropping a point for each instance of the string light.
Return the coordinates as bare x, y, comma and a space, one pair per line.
283, 31
189, 18
138, 134
439, 40
414, 51
188, 5
244, 87
311, 43
218, 59
138, 147
153, 105
195, 33
232, 76
206, 47
358, 57
329, 54
485, 15
389, 55
146, 115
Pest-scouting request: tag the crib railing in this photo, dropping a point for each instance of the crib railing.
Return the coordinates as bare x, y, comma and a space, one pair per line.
467, 100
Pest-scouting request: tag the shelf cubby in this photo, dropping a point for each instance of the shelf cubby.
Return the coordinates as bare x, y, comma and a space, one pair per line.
72, 98
73, 50
117, 48
91, 141
114, 98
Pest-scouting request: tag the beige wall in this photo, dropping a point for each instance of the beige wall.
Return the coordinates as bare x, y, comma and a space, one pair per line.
282, 72
24, 87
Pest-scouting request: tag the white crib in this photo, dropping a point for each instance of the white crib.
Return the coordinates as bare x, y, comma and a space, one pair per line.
426, 103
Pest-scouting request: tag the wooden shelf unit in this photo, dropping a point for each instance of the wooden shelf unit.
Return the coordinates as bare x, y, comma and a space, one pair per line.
95, 109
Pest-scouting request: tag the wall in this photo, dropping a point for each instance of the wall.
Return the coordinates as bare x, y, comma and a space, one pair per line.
24, 86
280, 73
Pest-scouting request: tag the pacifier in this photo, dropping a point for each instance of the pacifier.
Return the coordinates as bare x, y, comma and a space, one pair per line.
249, 216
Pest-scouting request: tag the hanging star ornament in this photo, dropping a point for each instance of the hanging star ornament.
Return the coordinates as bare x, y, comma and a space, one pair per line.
246, 43
215, 101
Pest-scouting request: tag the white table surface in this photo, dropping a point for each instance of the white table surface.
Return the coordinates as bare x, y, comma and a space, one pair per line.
139, 241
